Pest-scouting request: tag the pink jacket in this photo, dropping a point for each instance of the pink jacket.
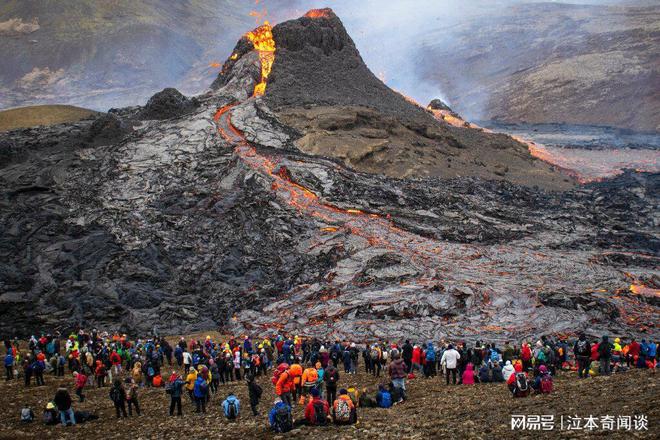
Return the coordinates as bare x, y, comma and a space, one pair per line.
468, 375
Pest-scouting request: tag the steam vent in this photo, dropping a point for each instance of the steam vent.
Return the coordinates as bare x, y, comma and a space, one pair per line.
302, 194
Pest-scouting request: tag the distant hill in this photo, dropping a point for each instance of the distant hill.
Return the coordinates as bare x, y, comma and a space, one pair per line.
549, 62
100, 54
31, 116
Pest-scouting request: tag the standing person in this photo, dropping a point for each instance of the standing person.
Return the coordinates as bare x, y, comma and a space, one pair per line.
331, 379
175, 390
9, 364
450, 360
605, 355
254, 391
118, 397
132, 396
200, 390
62, 400
187, 361
100, 373
525, 356
407, 355
397, 371
79, 382
429, 371
284, 385
582, 351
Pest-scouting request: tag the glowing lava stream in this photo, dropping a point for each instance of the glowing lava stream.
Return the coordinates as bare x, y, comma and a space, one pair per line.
356, 221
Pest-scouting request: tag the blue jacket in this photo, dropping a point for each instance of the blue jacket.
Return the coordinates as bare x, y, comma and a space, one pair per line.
200, 388
9, 360
225, 404
273, 411
652, 349
382, 395
430, 352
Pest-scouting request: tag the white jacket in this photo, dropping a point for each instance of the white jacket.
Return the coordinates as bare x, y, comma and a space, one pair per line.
507, 370
450, 358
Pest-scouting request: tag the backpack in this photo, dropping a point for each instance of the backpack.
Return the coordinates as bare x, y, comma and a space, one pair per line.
332, 377
494, 356
582, 348
231, 412
385, 399
283, 419
312, 377
342, 411
354, 394
26, 415
374, 354
151, 371
546, 384
521, 387
319, 414
157, 381
115, 395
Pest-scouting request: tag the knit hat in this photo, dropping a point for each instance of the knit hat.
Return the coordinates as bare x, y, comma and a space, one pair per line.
343, 391
315, 392
543, 369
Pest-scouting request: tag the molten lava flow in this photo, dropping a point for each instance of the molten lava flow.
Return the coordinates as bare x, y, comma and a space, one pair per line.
262, 40
318, 13
449, 118
641, 289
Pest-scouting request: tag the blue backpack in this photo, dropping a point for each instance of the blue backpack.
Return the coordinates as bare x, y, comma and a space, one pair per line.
195, 359
385, 399
494, 356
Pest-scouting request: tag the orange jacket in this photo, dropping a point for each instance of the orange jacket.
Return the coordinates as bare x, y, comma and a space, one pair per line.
310, 375
284, 383
296, 372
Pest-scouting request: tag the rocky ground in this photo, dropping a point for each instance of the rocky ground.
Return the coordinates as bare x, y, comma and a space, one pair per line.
434, 410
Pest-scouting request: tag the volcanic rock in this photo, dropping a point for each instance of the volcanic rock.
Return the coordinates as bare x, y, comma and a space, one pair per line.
166, 104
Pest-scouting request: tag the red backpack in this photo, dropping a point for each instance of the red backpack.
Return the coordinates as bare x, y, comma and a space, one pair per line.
546, 384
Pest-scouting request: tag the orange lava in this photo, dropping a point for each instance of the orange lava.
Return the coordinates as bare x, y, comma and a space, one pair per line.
262, 40
318, 13
641, 289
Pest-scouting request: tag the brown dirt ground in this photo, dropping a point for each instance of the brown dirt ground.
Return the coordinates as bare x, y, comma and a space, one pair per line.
41, 115
432, 411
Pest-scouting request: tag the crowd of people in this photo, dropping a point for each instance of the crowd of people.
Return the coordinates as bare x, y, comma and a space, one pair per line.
303, 371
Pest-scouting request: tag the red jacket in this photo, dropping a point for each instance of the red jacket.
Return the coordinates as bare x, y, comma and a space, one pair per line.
310, 416
115, 358
81, 380
526, 353
634, 348
594, 352
417, 355
284, 383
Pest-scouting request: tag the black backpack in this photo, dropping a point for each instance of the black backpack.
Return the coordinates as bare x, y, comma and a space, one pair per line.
231, 410
319, 414
582, 348
283, 420
521, 387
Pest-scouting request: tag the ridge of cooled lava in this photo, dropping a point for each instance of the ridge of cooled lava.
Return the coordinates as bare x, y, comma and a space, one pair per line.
245, 211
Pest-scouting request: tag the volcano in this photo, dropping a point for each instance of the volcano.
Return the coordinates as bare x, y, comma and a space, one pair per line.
302, 194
